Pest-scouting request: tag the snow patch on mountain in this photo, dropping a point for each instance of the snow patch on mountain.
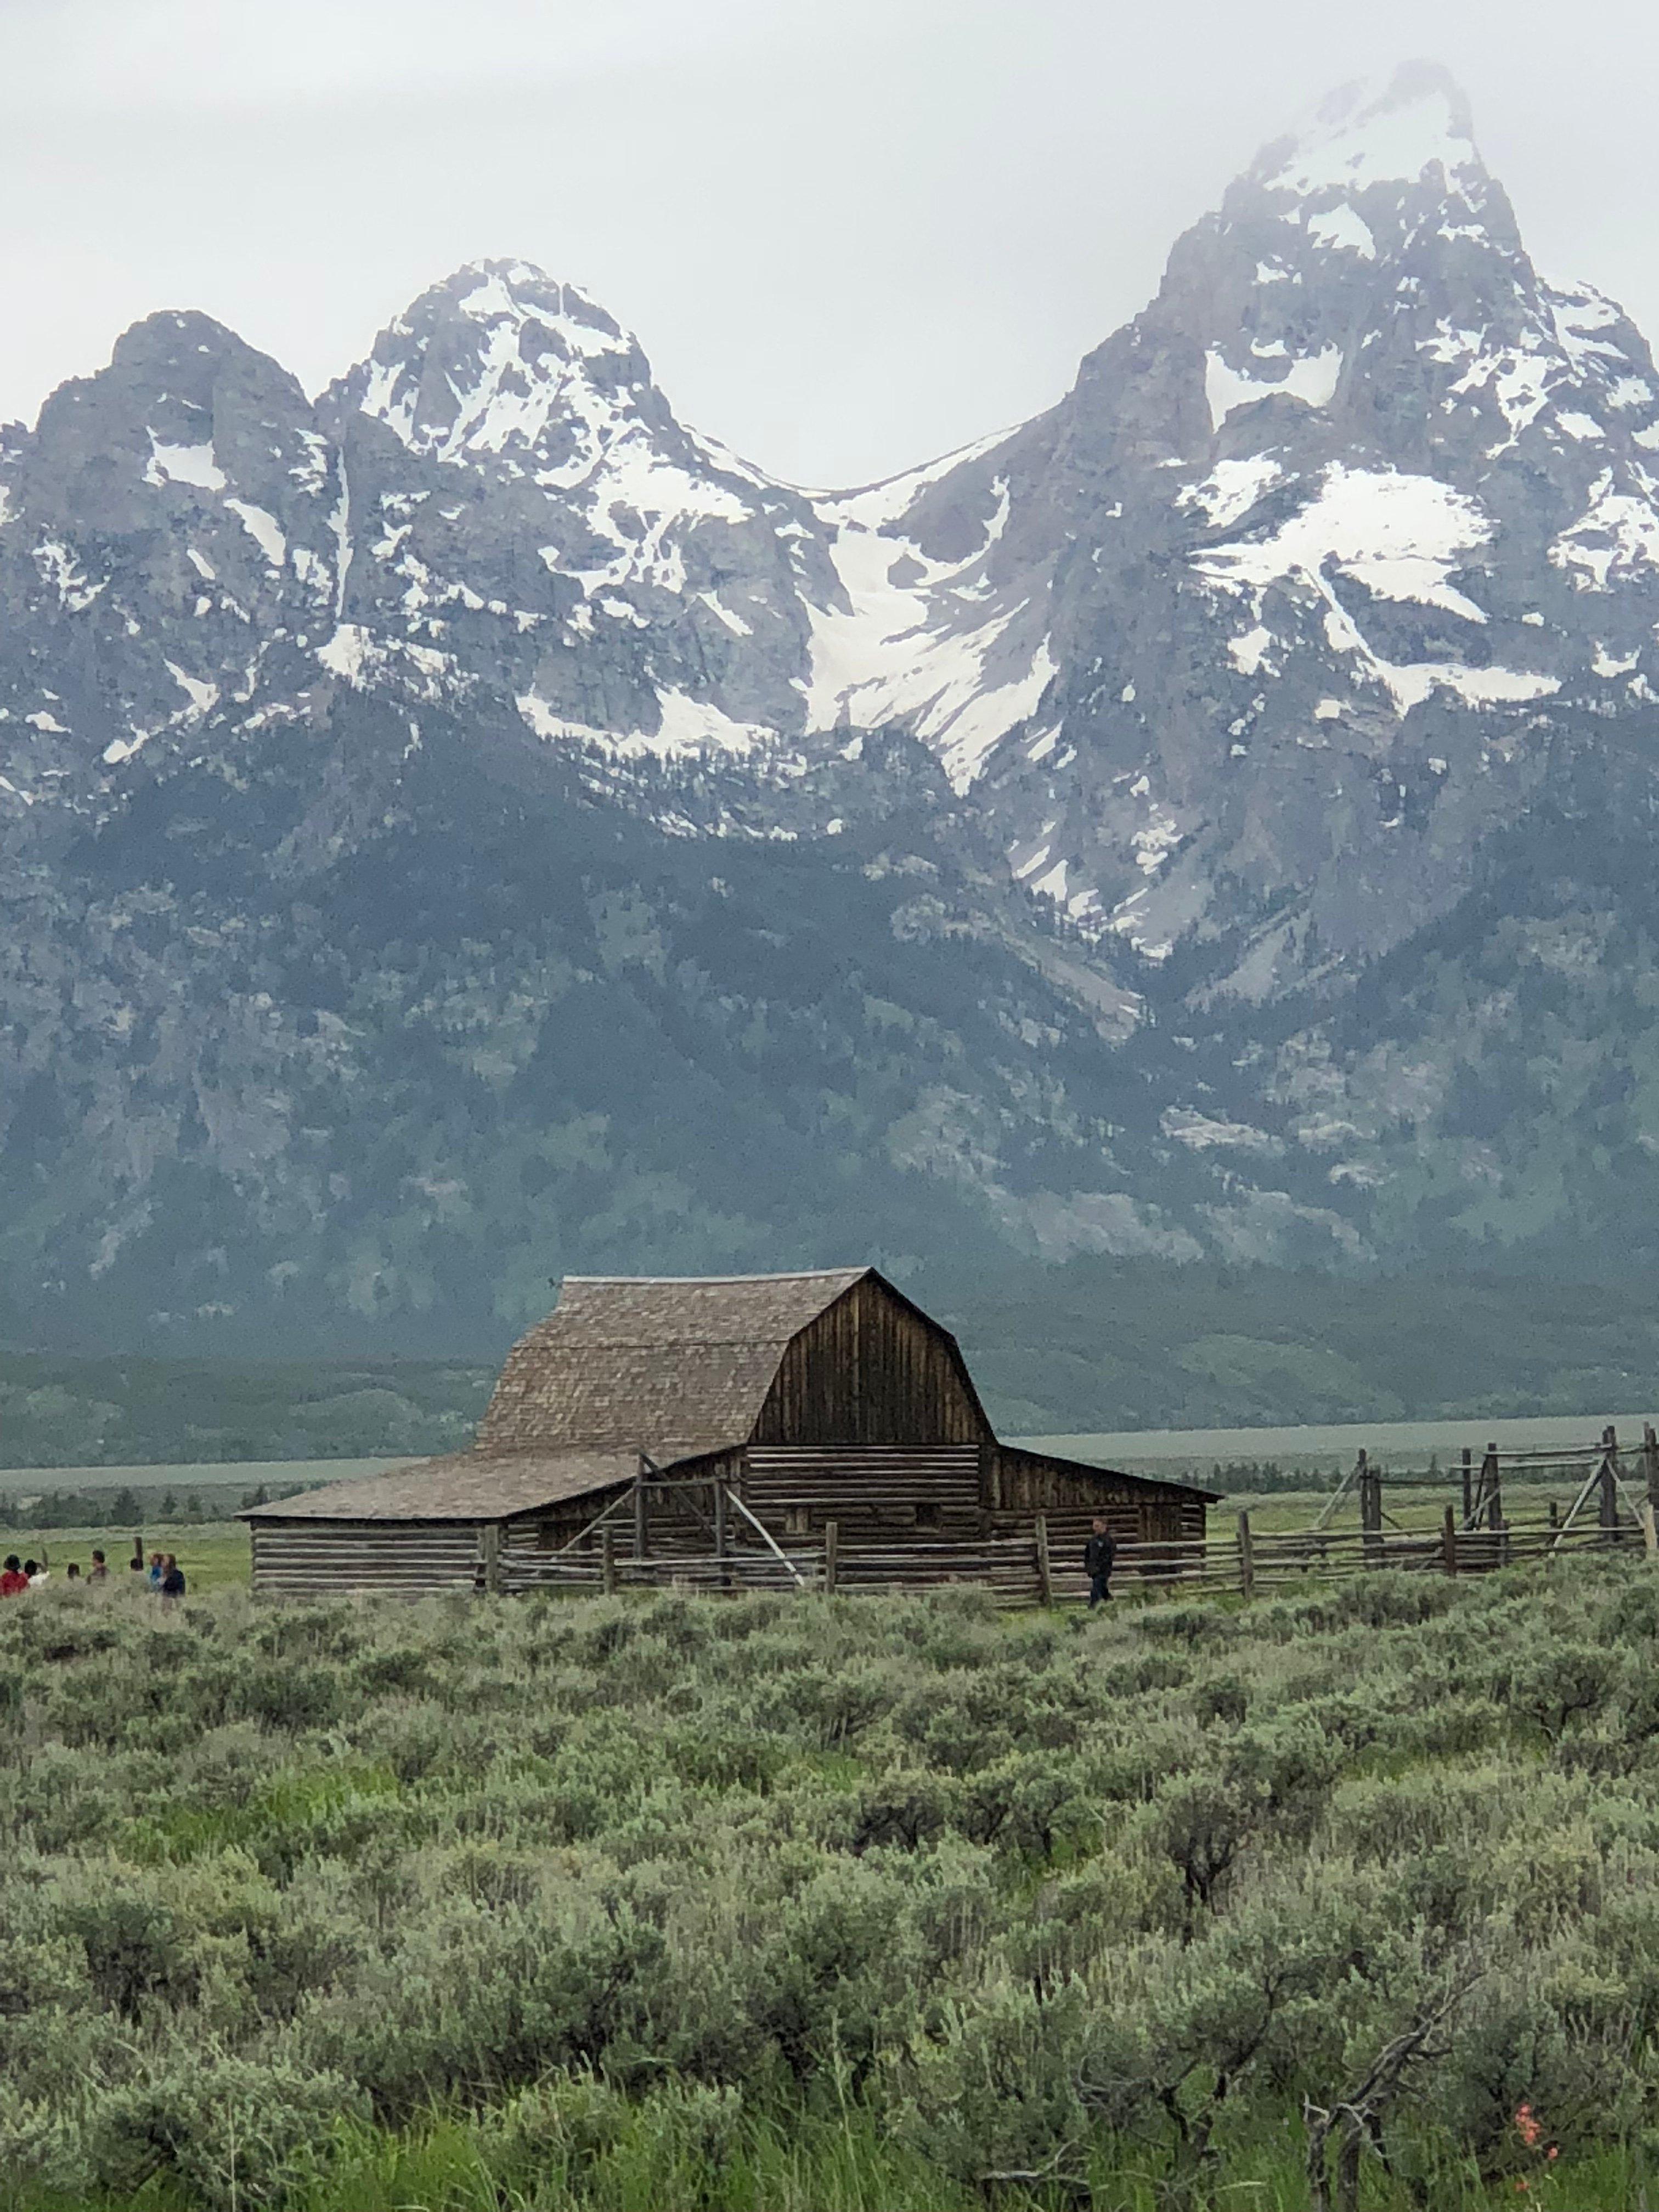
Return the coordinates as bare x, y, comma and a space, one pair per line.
935, 644
1343, 230
60, 567
363, 660
1312, 379
688, 729
187, 464
1403, 537
1232, 488
263, 528
1618, 533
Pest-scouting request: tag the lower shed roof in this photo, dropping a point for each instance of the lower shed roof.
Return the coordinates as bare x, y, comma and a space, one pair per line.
468, 1486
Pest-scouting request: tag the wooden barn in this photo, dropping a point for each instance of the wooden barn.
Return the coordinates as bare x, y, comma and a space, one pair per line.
682, 1417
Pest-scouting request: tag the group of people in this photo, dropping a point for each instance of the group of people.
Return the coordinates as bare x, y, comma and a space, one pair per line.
163, 1576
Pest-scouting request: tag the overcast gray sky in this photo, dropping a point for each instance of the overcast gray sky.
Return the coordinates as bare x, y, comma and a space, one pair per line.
851, 234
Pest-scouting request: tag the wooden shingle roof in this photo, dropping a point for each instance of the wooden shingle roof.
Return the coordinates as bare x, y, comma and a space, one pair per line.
469, 1485
668, 1365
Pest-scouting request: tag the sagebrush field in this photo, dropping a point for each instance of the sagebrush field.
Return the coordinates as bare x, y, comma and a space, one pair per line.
797, 1905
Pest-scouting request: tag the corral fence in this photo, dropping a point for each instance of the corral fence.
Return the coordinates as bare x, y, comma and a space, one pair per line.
1610, 1510
1011, 1567
1016, 1572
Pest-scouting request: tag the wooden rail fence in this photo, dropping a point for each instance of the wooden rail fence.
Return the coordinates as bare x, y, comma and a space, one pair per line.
1608, 1509
1018, 1570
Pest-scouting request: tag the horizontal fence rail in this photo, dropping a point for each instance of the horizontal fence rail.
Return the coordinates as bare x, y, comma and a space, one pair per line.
1017, 1570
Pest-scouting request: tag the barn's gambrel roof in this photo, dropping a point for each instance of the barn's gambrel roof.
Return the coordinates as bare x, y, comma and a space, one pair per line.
668, 1365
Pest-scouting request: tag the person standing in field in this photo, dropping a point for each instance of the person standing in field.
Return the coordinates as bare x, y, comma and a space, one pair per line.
37, 1572
157, 1570
1098, 1553
173, 1582
99, 1571
13, 1581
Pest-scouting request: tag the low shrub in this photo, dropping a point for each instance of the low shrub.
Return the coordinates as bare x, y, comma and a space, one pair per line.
775, 1902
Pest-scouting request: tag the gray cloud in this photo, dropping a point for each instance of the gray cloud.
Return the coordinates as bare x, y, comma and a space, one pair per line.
849, 235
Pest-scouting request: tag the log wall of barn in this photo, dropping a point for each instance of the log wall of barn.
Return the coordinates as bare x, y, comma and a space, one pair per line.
679, 1517
551, 1527
310, 1559
871, 1370
873, 1492
1020, 1484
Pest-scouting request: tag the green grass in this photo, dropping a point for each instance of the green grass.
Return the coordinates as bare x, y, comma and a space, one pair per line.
1277, 1512
215, 1555
839, 2162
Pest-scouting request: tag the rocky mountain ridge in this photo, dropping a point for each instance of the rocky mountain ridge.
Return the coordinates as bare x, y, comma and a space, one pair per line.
436, 816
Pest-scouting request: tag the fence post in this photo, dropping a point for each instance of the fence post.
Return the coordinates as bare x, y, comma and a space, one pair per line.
608, 1560
1489, 1505
1608, 1488
1371, 1510
1650, 1531
1246, 1558
831, 1541
1448, 1540
1045, 1579
491, 1534
1651, 1460
1468, 1485
642, 1538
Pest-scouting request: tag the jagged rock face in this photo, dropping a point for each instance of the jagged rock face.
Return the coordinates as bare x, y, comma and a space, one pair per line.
173, 545
1332, 536
529, 508
474, 824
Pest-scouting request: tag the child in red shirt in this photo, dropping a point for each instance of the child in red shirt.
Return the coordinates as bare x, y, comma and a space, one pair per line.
12, 1578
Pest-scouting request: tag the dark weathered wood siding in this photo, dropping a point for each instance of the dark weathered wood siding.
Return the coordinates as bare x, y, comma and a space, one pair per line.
873, 1492
679, 1516
872, 1369
309, 1559
551, 1527
1019, 1484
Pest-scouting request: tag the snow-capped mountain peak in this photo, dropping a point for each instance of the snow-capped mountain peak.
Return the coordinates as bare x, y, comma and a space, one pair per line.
1359, 136
502, 363
1314, 540
526, 497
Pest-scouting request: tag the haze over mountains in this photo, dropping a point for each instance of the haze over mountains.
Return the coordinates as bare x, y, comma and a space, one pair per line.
473, 824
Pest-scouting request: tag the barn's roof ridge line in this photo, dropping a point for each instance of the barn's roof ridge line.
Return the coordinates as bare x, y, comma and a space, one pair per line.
773, 1275
703, 1343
